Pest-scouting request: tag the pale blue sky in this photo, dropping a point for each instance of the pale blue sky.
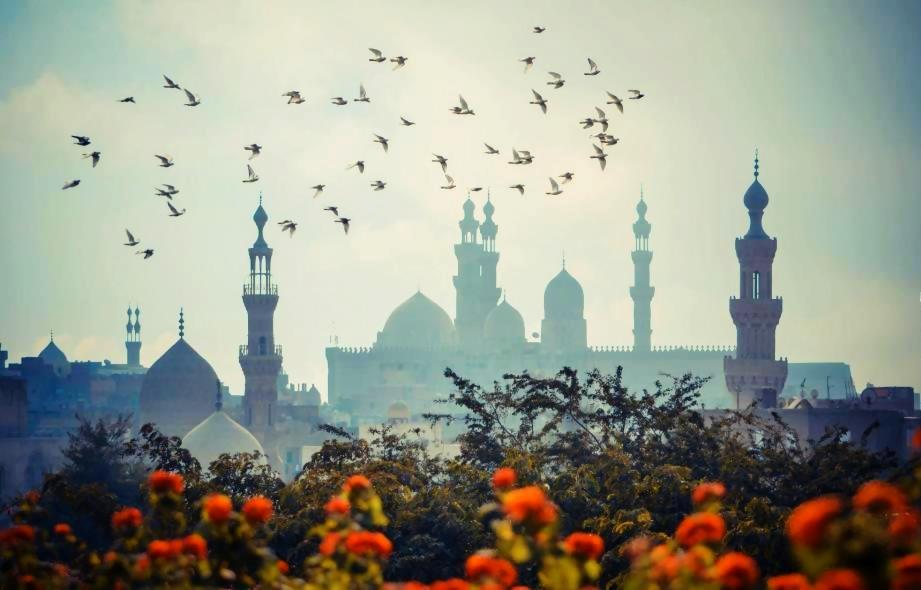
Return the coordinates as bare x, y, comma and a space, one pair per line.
827, 90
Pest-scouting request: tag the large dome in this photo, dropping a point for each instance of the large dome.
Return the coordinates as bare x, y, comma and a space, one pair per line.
418, 322
504, 326
178, 390
218, 434
55, 357
756, 198
563, 297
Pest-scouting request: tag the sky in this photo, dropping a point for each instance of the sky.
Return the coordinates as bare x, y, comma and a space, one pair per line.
827, 91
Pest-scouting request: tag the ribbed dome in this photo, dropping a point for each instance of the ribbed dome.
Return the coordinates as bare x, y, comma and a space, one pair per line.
756, 198
178, 390
218, 434
563, 297
418, 322
504, 326
313, 397
55, 357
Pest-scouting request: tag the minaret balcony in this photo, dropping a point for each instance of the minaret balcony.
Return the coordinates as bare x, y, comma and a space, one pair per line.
244, 351
260, 289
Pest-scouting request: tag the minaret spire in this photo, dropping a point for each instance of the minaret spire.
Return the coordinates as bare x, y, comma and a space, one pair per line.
181, 323
642, 292
756, 163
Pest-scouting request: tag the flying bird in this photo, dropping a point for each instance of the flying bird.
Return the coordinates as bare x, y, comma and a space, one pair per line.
567, 177
194, 101
600, 156
254, 148
518, 187
294, 97
606, 139
165, 161
147, 253
400, 61
173, 212
528, 63
615, 101
592, 68
288, 226
81, 140
636, 95
441, 160
602, 119
587, 122
475, 189
251, 174
490, 150
170, 83
378, 56
381, 140
521, 157
554, 188
360, 164
378, 185
338, 100
131, 239
95, 156
557, 81
450, 182
334, 210
464, 108
168, 192
540, 101
539, 29
128, 99
345, 223
70, 184
318, 188
516, 157
803, 384
406, 122
362, 95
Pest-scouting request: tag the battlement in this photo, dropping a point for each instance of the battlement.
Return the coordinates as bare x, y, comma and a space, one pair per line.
663, 349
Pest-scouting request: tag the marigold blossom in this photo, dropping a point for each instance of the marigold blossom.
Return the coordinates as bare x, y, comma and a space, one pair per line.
283, 567
879, 497
329, 543
504, 477
127, 518
356, 482
337, 505
808, 522
585, 545
701, 527
196, 545
789, 582
62, 529
164, 481
842, 579
218, 508
20, 533
161, 549
480, 568
736, 571
708, 492
257, 510
529, 504
904, 527
368, 543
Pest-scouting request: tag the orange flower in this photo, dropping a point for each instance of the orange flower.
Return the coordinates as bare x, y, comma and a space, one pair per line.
195, 545
480, 568
452, 584
708, 492
356, 482
584, 545
283, 567
529, 504
665, 570
736, 571
161, 549
329, 543
62, 529
879, 497
907, 573
20, 533
257, 510
789, 582
163, 481
127, 518
701, 527
698, 560
337, 505
218, 508
504, 477
807, 523
368, 543
904, 527
839, 580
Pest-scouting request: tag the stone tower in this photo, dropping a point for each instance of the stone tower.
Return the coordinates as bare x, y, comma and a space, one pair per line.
475, 281
133, 338
641, 292
754, 375
260, 358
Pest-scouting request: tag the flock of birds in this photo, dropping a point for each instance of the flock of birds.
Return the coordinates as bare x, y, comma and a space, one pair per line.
519, 157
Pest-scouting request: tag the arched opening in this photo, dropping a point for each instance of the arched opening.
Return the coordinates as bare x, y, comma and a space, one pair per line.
756, 285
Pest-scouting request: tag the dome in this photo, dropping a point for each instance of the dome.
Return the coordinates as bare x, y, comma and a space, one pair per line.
418, 322
641, 207
218, 434
398, 411
504, 326
55, 357
260, 217
313, 397
178, 390
563, 297
469, 206
756, 198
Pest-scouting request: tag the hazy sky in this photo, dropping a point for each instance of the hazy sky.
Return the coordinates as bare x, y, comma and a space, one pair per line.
827, 90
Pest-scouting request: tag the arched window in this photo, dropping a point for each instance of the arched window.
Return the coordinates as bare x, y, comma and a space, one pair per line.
756, 285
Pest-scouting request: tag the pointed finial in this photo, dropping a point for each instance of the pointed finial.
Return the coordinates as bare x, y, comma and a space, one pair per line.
219, 401
52, 334
181, 323
756, 163
260, 198
641, 192
564, 259
488, 194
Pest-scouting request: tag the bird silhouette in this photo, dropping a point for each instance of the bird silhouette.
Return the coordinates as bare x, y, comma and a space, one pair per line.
385, 143
554, 188
168, 192
95, 156
378, 185
165, 161
254, 148
450, 182
362, 95
567, 177
360, 164
170, 83
81, 140
251, 174
441, 160
615, 101
557, 81
464, 108
131, 239
127, 99
333, 209
600, 156
70, 184
518, 187
294, 97
528, 63
636, 95
400, 61
288, 226
345, 223
378, 56
318, 188
406, 122
173, 212
602, 119
490, 150
539, 29
338, 100
587, 122
540, 101
592, 68
194, 101
147, 253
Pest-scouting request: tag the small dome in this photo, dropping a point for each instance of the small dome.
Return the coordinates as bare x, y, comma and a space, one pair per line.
488, 208
260, 217
218, 434
641, 207
398, 411
313, 397
469, 206
55, 357
504, 326
418, 322
756, 198
563, 297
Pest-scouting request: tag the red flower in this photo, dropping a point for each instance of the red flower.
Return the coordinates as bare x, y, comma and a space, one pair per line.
504, 477
839, 580
164, 481
789, 582
584, 545
62, 529
904, 527
195, 545
127, 518
480, 568
337, 505
907, 573
283, 567
529, 504
368, 543
808, 521
356, 482
218, 508
161, 549
452, 584
701, 527
708, 492
329, 543
879, 497
20, 533
257, 510
736, 571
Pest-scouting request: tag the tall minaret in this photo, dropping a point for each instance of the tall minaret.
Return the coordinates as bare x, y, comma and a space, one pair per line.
467, 279
133, 338
754, 375
260, 359
642, 291
489, 293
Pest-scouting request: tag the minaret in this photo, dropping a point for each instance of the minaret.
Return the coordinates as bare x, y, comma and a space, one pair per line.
467, 279
754, 375
260, 359
489, 293
641, 292
133, 338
